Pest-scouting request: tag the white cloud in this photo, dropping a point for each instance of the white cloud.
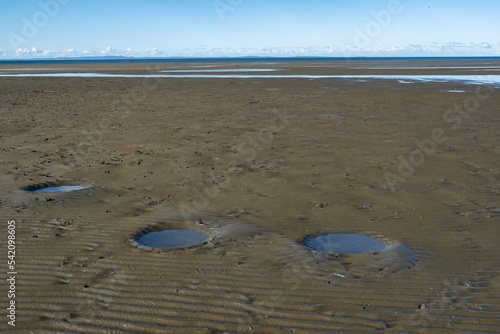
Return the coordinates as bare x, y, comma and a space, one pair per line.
154, 52
340, 50
28, 52
129, 52
108, 51
89, 52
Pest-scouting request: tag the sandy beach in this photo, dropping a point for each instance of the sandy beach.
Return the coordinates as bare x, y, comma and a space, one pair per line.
256, 164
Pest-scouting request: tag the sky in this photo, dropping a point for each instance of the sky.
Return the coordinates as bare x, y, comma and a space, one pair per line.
194, 28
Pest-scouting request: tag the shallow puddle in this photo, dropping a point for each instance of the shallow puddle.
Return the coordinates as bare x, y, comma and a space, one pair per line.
168, 239
227, 70
180, 232
54, 192
57, 189
335, 116
356, 255
464, 79
52, 187
345, 244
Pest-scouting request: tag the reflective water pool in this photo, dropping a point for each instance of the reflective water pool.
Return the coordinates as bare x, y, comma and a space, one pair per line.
172, 239
345, 244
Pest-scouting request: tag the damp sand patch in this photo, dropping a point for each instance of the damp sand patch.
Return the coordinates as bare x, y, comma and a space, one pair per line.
359, 255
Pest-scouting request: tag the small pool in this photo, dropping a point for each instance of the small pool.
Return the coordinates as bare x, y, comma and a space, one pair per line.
171, 239
52, 187
59, 189
345, 244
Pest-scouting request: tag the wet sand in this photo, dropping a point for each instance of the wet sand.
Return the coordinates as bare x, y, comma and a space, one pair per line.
257, 165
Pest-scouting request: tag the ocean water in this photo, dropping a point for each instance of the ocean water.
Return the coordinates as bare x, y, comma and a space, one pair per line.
131, 60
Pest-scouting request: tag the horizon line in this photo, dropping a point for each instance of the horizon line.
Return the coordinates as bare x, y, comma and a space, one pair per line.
234, 57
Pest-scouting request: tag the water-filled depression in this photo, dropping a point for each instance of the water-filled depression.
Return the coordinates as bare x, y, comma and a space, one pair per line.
345, 244
171, 239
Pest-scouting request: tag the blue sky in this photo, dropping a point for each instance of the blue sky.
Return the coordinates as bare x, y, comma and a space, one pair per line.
48, 28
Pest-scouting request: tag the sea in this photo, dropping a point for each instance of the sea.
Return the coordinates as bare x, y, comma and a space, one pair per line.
132, 60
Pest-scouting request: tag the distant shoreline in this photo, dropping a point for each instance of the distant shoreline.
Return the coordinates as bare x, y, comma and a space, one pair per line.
118, 60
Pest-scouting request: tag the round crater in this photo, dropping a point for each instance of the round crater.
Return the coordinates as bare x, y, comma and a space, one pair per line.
181, 232
55, 186
172, 235
345, 244
356, 255
169, 239
57, 192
